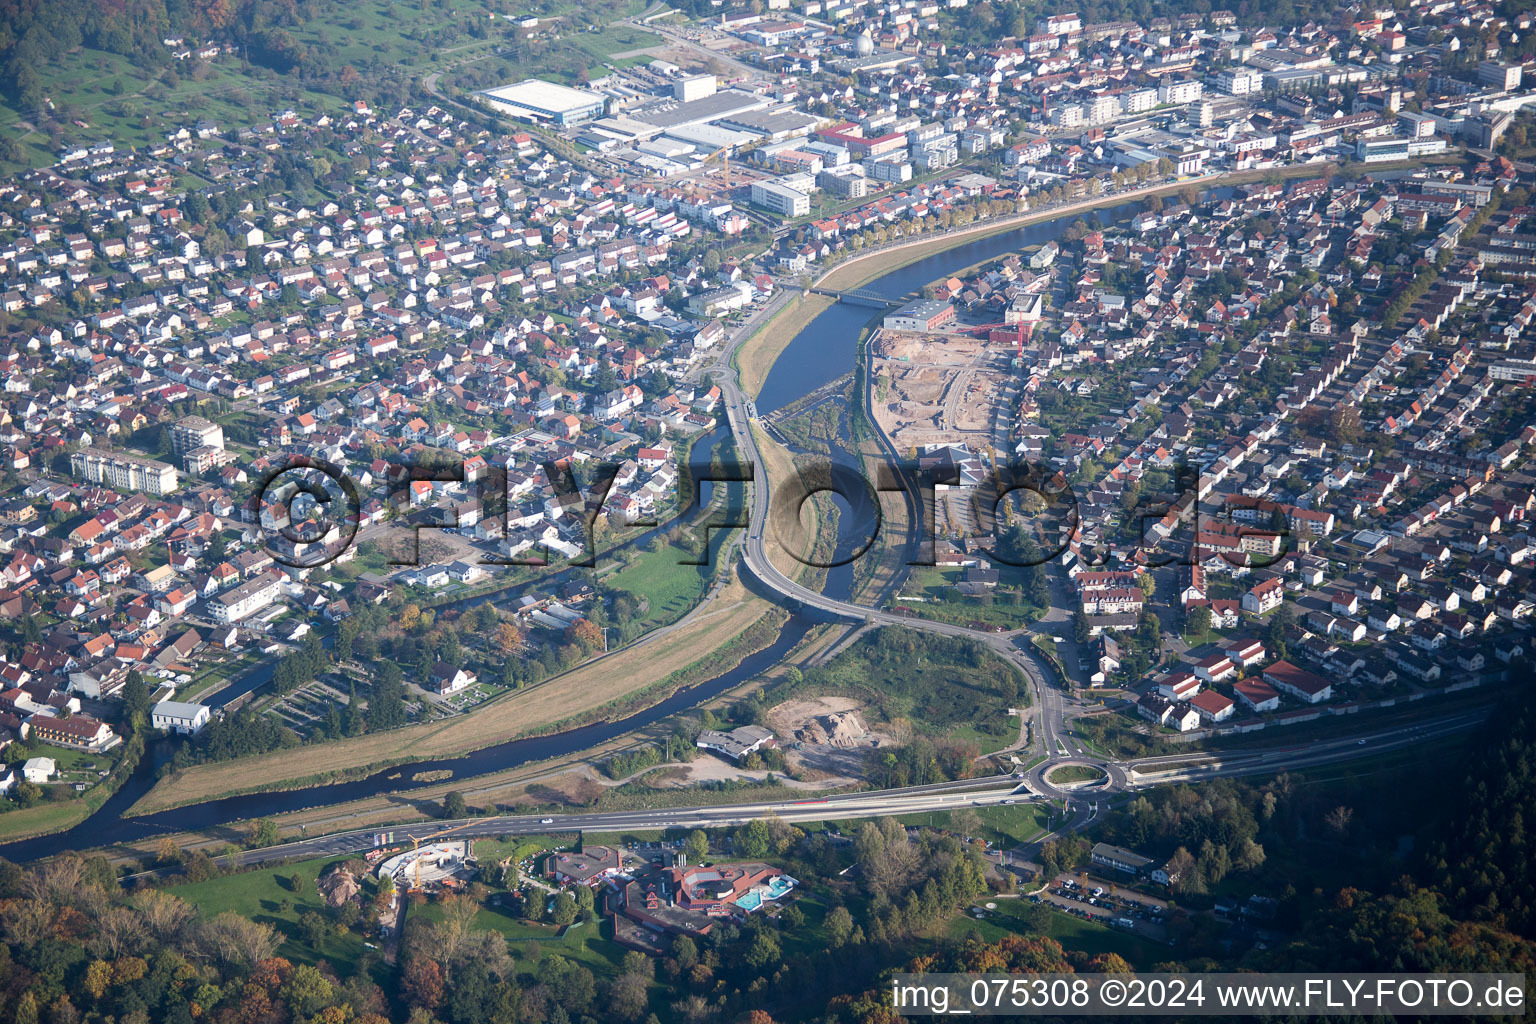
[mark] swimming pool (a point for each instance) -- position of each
(753, 898)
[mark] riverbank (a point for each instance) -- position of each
(560, 701)
(860, 270)
(756, 355)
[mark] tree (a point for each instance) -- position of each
(685, 951)
(454, 805)
(1081, 630)
(264, 833)
(563, 911)
(508, 637)
(585, 634)
(422, 980)
(627, 998)
(764, 953)
(754, 839)
(697, 845)
(135, 696)
(307, 992)
(1199, 621)
(839, 925)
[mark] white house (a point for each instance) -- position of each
(39, 769)
(179, 716)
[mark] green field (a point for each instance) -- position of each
(585, 943)
(113, 99)
(1010, 918)
(945, 687)
(264, 896)
(1074, 773)
(667, 589)
(494, 851)
(1010, 825)
(120, 102)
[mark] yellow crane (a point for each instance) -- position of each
(416, 842)
(724, 152)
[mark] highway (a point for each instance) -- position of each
(1085, 803)
(944, 796)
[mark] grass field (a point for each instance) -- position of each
(132, 107)
(265, 896)
(1013, 824)
(122, 103)
(493, 851)
(583, 943)
(668, 588)
(780, 467)
(24, 822)
(757, 354)
(1071, 932)
(584, 689)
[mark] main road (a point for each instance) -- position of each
(1049, 715)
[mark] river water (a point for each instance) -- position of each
(823, 351)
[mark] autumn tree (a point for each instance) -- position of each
(585, 634)
(509, 637)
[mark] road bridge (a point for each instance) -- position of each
(860, 297)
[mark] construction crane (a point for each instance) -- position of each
(1022, 331)
(416, 842)
(724, 152)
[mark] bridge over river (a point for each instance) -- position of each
(864, 297)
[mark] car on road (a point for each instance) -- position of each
(546, 821)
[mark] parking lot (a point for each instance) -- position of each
(1106, 903)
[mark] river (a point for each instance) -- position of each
(823, 351)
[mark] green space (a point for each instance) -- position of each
(583, 942)
(666, 589)
(1018, 916)
(1004, 606)
(268, 896)
(1069, 773)
(945, 688)
(494, 851)
(1005, 825)
(133, 107)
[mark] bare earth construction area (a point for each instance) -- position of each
(939, 388)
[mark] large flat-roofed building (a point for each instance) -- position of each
(246, 599)
(922, 315)
(537, 100)
(782, 199)
(123, 472)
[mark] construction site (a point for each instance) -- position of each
(952, 386)
(432, 863)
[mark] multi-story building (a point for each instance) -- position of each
(195, 432)
(123, 472)
(780, 198)
(1179, 90)
(246, 599)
